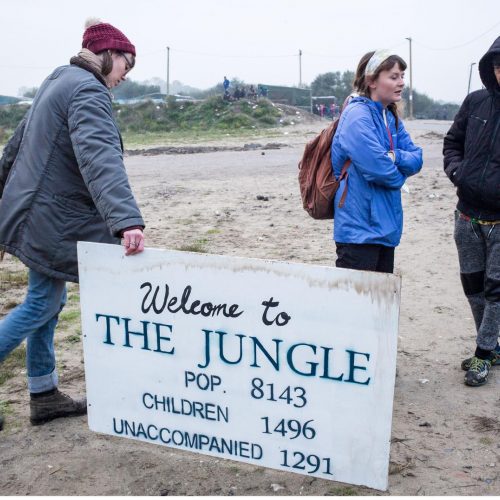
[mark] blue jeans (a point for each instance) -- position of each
(35, 320)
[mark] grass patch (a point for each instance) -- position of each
(486, 441)
(213, 118)
(6, 408)
(11, 423)
(74, 338)
(199, 245)
(5, 374)
(152, 124)
(14, 362)
(17, 356)
(196, 246)
(13, 279)
(74, 298)
(136, 140)
(69, 316)
(343, 491)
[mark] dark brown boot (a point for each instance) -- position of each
(54, 404)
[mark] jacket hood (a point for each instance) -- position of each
(486, 67)
(373, 104)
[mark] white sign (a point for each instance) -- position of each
(282, 365)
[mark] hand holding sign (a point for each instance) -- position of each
(133, 241)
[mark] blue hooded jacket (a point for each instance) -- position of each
(372, 213)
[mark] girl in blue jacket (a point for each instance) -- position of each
(369, 222)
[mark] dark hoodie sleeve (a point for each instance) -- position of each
(454, 141)
(10, 153)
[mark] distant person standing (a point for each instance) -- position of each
(332, 110)
(472, 162)
(226, 84)
(62, 179)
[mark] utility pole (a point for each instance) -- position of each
(410, 94)
(470, 76)
(300, 68)
(168, 71)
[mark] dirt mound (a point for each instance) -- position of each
(185, 150)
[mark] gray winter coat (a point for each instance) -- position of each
(62, 177)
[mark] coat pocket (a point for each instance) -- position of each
(77, 204)
(475, 133)
(459, 173)
(386, 215)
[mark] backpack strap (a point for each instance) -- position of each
(344, 174)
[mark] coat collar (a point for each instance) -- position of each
(81, 63)
(375, 105)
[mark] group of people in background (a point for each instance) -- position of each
(330, 110)
(241, 92)
(62, 179)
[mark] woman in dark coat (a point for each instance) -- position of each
(62, 179)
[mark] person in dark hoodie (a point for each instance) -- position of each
(62, 179)
(472, 162)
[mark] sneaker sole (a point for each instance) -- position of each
(475, 384)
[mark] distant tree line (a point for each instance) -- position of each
(340, 85)
(130, 89)
(333, 84)
(426, 108)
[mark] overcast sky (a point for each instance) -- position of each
(256, 40)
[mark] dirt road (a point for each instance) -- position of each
(246, 203)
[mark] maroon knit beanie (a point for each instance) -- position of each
(103, 36)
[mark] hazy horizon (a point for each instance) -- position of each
(258, 41)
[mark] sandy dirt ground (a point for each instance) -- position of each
(246, 203)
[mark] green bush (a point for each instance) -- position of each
(212, 113)
(10, 116)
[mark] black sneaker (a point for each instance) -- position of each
(495, 359)
(478, 372)
(47, 407)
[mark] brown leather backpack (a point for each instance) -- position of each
(316, 180)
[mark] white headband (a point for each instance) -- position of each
(376, 60)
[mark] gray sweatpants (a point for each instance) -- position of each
(479, 256)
